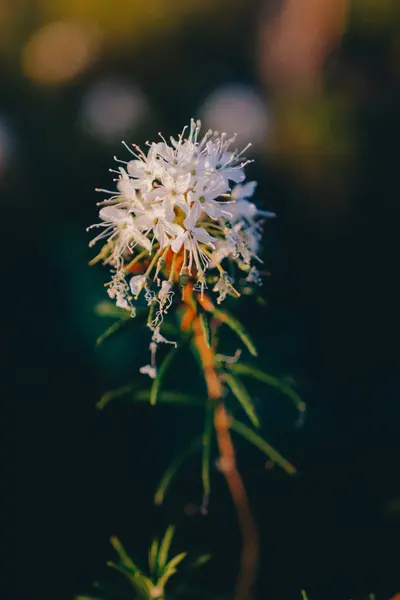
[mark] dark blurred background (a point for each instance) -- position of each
(315, 86)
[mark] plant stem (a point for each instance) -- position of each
(250, 548)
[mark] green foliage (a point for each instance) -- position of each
(242, 395)
(238, 328)
(162, 371)
(162, 567)
(257, 441)
(283, 385)
(207, 448)
(172, 470)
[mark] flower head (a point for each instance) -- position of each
(179, 212)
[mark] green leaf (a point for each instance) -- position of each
(206, 448)
(242, 395)
(238, 328)
(112, 329)
(162, 371)
(169, 397)
(121, 568)
(252, 437)
(108, 309)
(205, 328)
(200, 561)
(170, 569)
(124, 557)
(281, 385)
(104, 253)
(171, 471)
(141, 584)
(153, 558)
(174, 562)
(112, 394)
(165, 546)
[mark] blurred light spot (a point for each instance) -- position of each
(113, 107)
(237, 109)
(296, 41)
(7, 144)
(60, 51)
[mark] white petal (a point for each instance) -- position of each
(235, 175)
(168, 181)
(168, 210)
(136, 284)
(143, 222)
(173, 228)
(160, 235)
(213, 209)
(203, 236)
(141, 239)
(136, 168)
(183, 183)
(149, 370)
(157, 193)
(183, 205)
(193, 216)
(244, 191)
(114, 215)
(165, 287)
(178, 242)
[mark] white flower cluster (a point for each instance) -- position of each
(178, 211)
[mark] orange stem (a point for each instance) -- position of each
(228, 466)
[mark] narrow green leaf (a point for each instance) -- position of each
(105, 308)
(304, 595)
(104, 252)
(174, 562)
(169, 397)
(165, 546)
(141, 584)
(170, 569)
(153, 558)
(124, 557)
(171, 471)
(238, 328)
(121, 568)
(252, 437)
(113, 394)
(110, 331)
(155, 388)
(282, 386)
(200, 561)
(206, 448)
(205, 328)
(242, 395)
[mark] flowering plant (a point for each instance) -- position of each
(175, 220)
(181, 220)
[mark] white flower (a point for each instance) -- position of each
(191, 238)
(205, 194)
(119, 228)
(223, 287)
(145, 169)
(149, 370)
(136, 284)
(158, 219)
(173, 216)
(165, 289)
